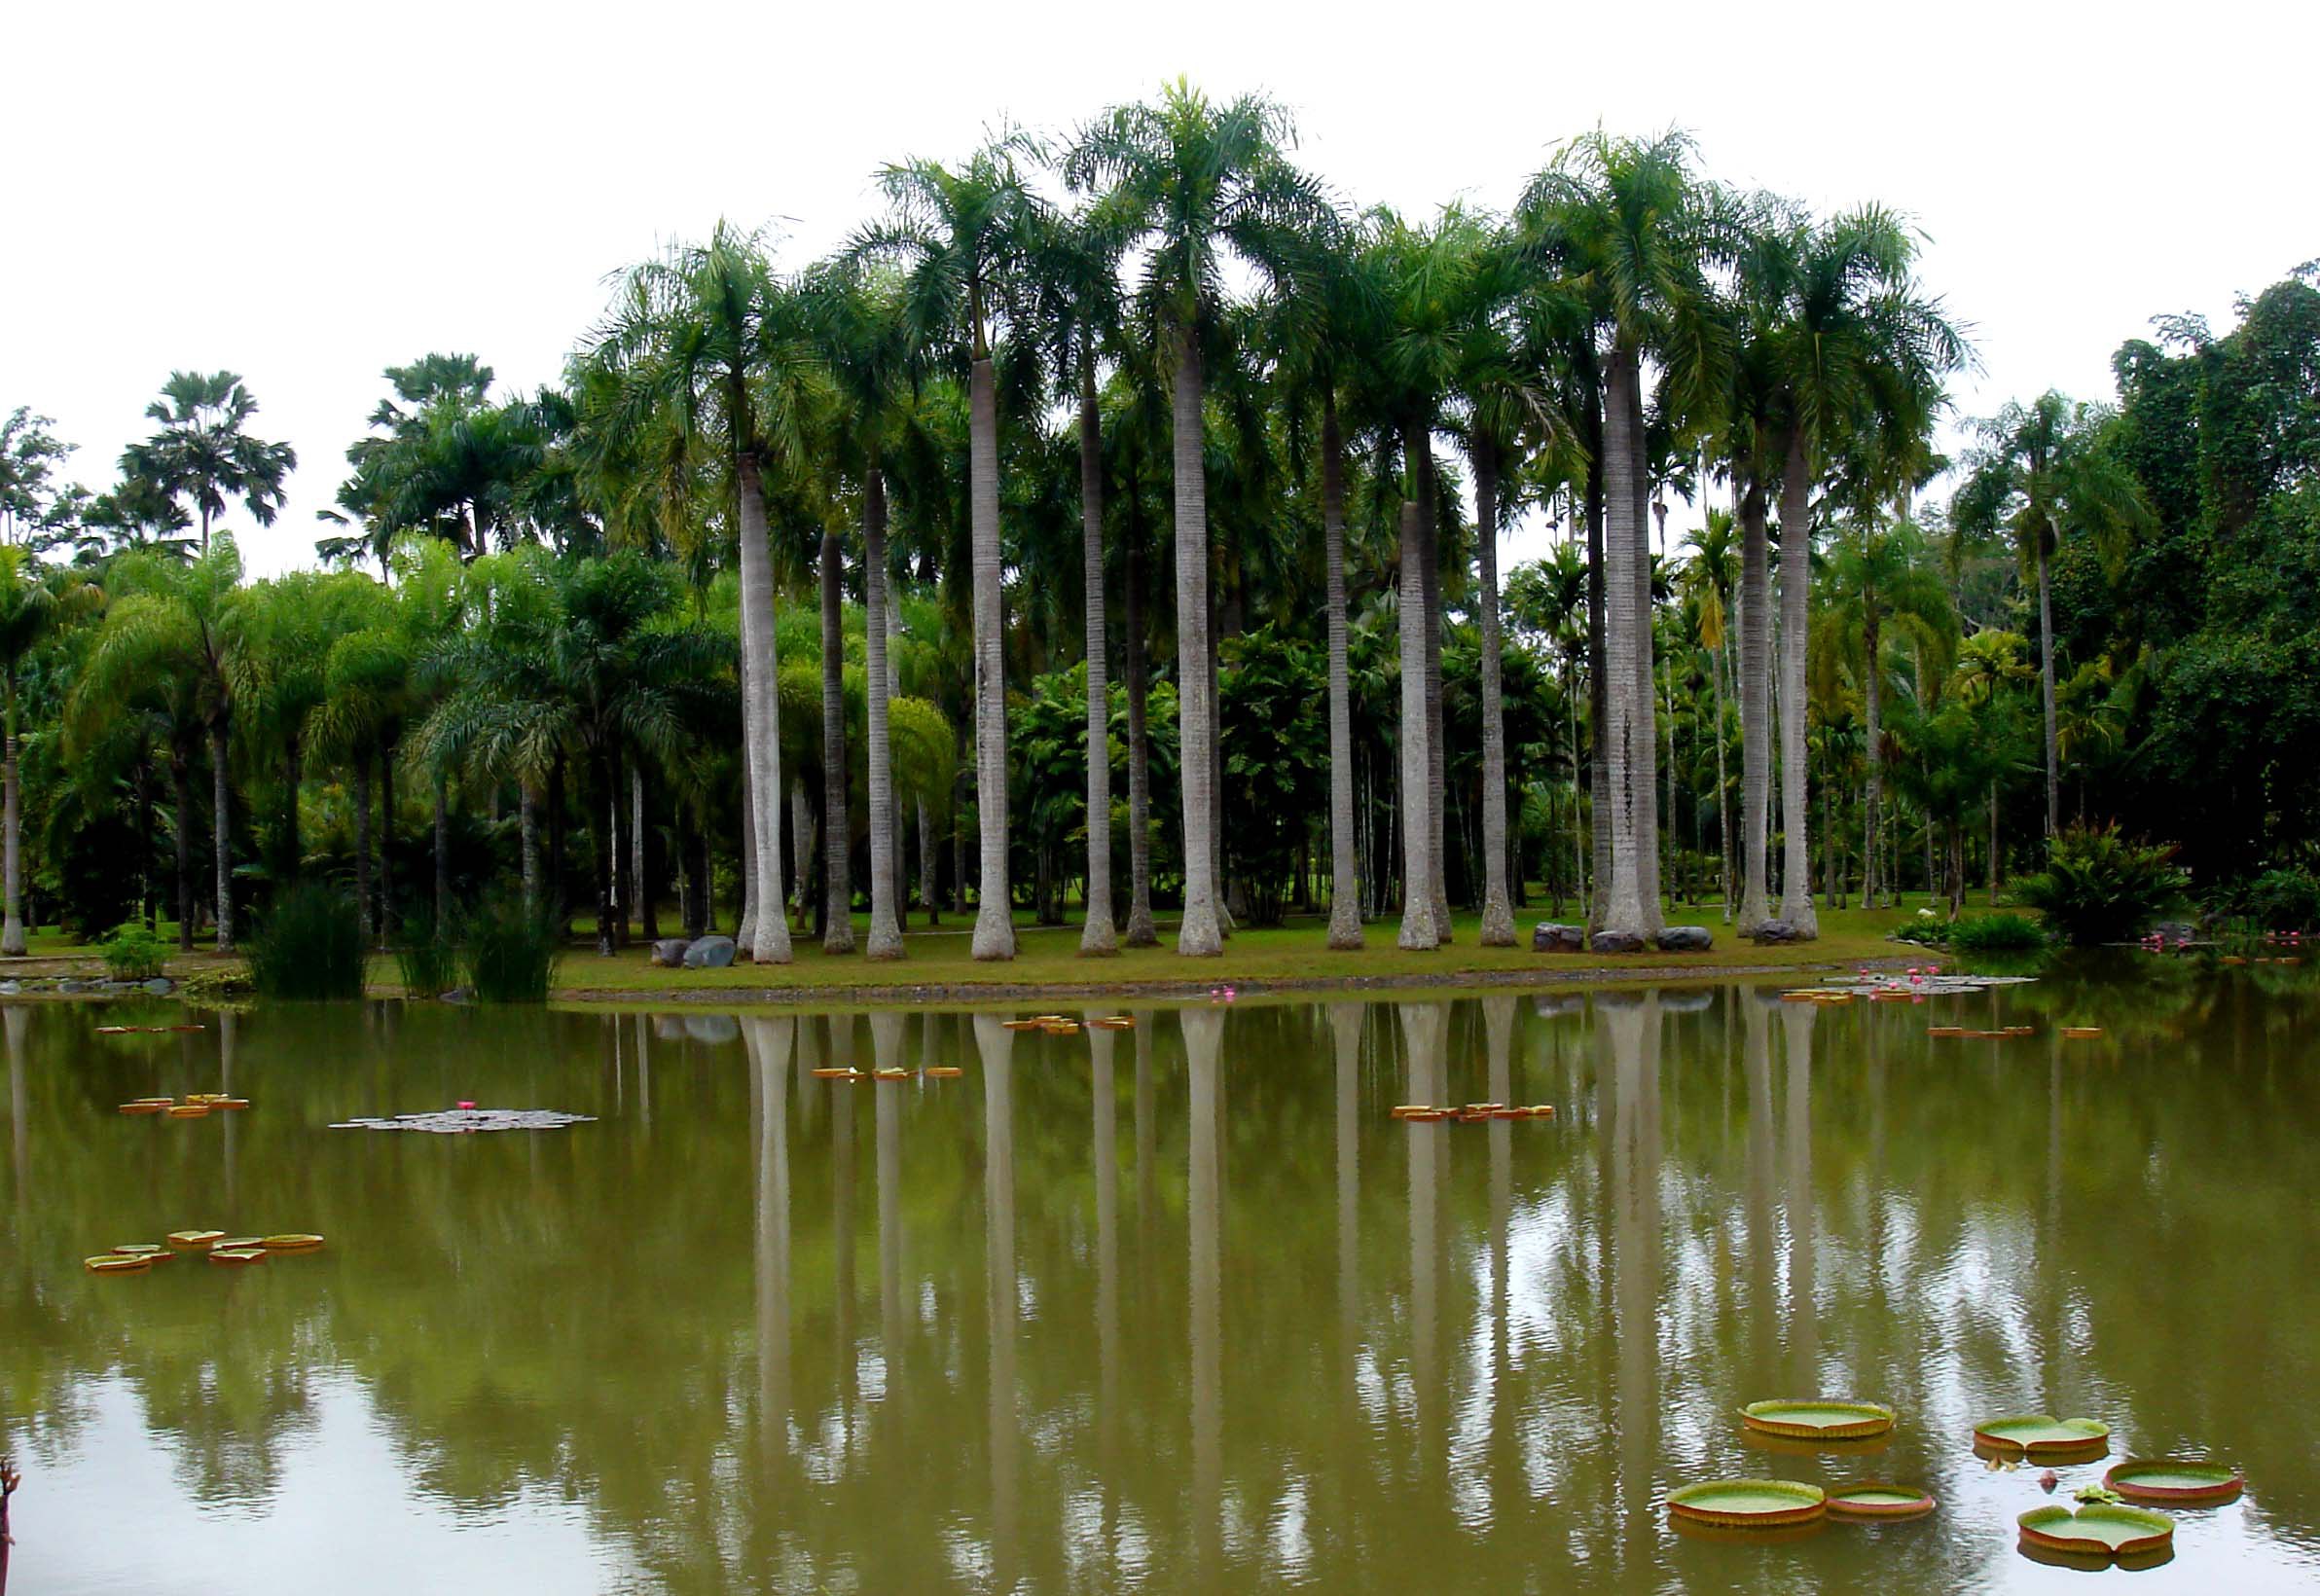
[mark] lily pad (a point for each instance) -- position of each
(2037, 1435)
(236, 1256)
(119, 1263)
(2101, 1531)
(291, 1242)
(1818, 1420)
(1748, 1501)
(2176, 1481)
(1874, 1499)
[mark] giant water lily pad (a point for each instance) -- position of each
(2037, 1435)
(2175, 1480)
(1742, 1503)
(2100, 1529)
(1818, 1420)
(1874, 1499)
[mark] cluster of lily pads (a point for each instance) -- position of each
(1474, 1113)
(137, 1258)
(888, 1075)
(2112, 1523)
(196, 1106)
(1063, 1025)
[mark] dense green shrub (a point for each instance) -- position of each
(2099, 887)
(308, 944)
(511, 951)
(1999, 932)
(134, 954)
(1925, 931)
(2285, 900)
(427, 958)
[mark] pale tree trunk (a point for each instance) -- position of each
(2046, 686)
(1140, 932)
(1622, 903)
(1345, 903)
(1419, 928)
(837, 833)
(995, 920)
(1097, 936)
(1723, 808)
(1201, 934)
(222, 829)
(1756, 706)
(745, 935)
(1796, 579)
(1599, 698)
(761, 730)
(1438, 787)
(1643, 723)
(1497, 913)
(12, 937)
(886, 877)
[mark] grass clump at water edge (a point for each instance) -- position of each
(308, 944)
(511, 951)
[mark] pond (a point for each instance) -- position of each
(1175, 1308)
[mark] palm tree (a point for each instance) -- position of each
(965, 235)
(706, 350)
(180, 634)
(1623, 223)
(1198, 182)
(34, 603)
(1857, 349)
(204, 452)
(1078, 274)
(2043, 469)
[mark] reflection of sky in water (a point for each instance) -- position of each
(113, 1514)
(1225, 1327)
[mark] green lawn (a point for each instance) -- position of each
(1283, 956)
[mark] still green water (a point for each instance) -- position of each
(1178, 1308)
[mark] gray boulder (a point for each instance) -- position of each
(710, 953)
(669, 952)
(1549, 937)
(1685, 939)
(161, 986)
(1618, 942)
(1774, 930)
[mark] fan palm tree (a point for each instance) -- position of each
(2042, 470)
(204, 452)
(965, 236)
(706, 349)
(1199, 183)
(34, 603)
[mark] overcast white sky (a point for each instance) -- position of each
(308, 192)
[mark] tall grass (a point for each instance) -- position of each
(427, 957)
(308, 944)
(511, 951)
(1997, 933)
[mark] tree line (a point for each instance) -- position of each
(802, 579)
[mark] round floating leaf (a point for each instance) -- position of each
(2175, 1480)
(236, 1254)
(1748, 1501)
(2037, 1435)
(1818, 1420)
(1874, 1499)
(119, 1263)
(2101, 1530)
(293, 1242)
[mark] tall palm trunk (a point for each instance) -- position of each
(1756, 704)
(745, 935)
(1872, 695)
(802, 832)
(1723, 808)
(1097, 936)
(1345, 904)
(527, 823)
(221, 833)
(362, 844)
(603, 817)
(1642, 729)
(1201, 935)
(1437, 786)
(2045, 684)
(648, 919)
(837, 831)
(1497, 913)
(885, 875)
(12, 937)
(1623, 913)
(1419, 928)
(995, 919)
(1140, 932)
(1795, 580)
(930, 857)
(181, 794)
(1599, 703)
(761, 726)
